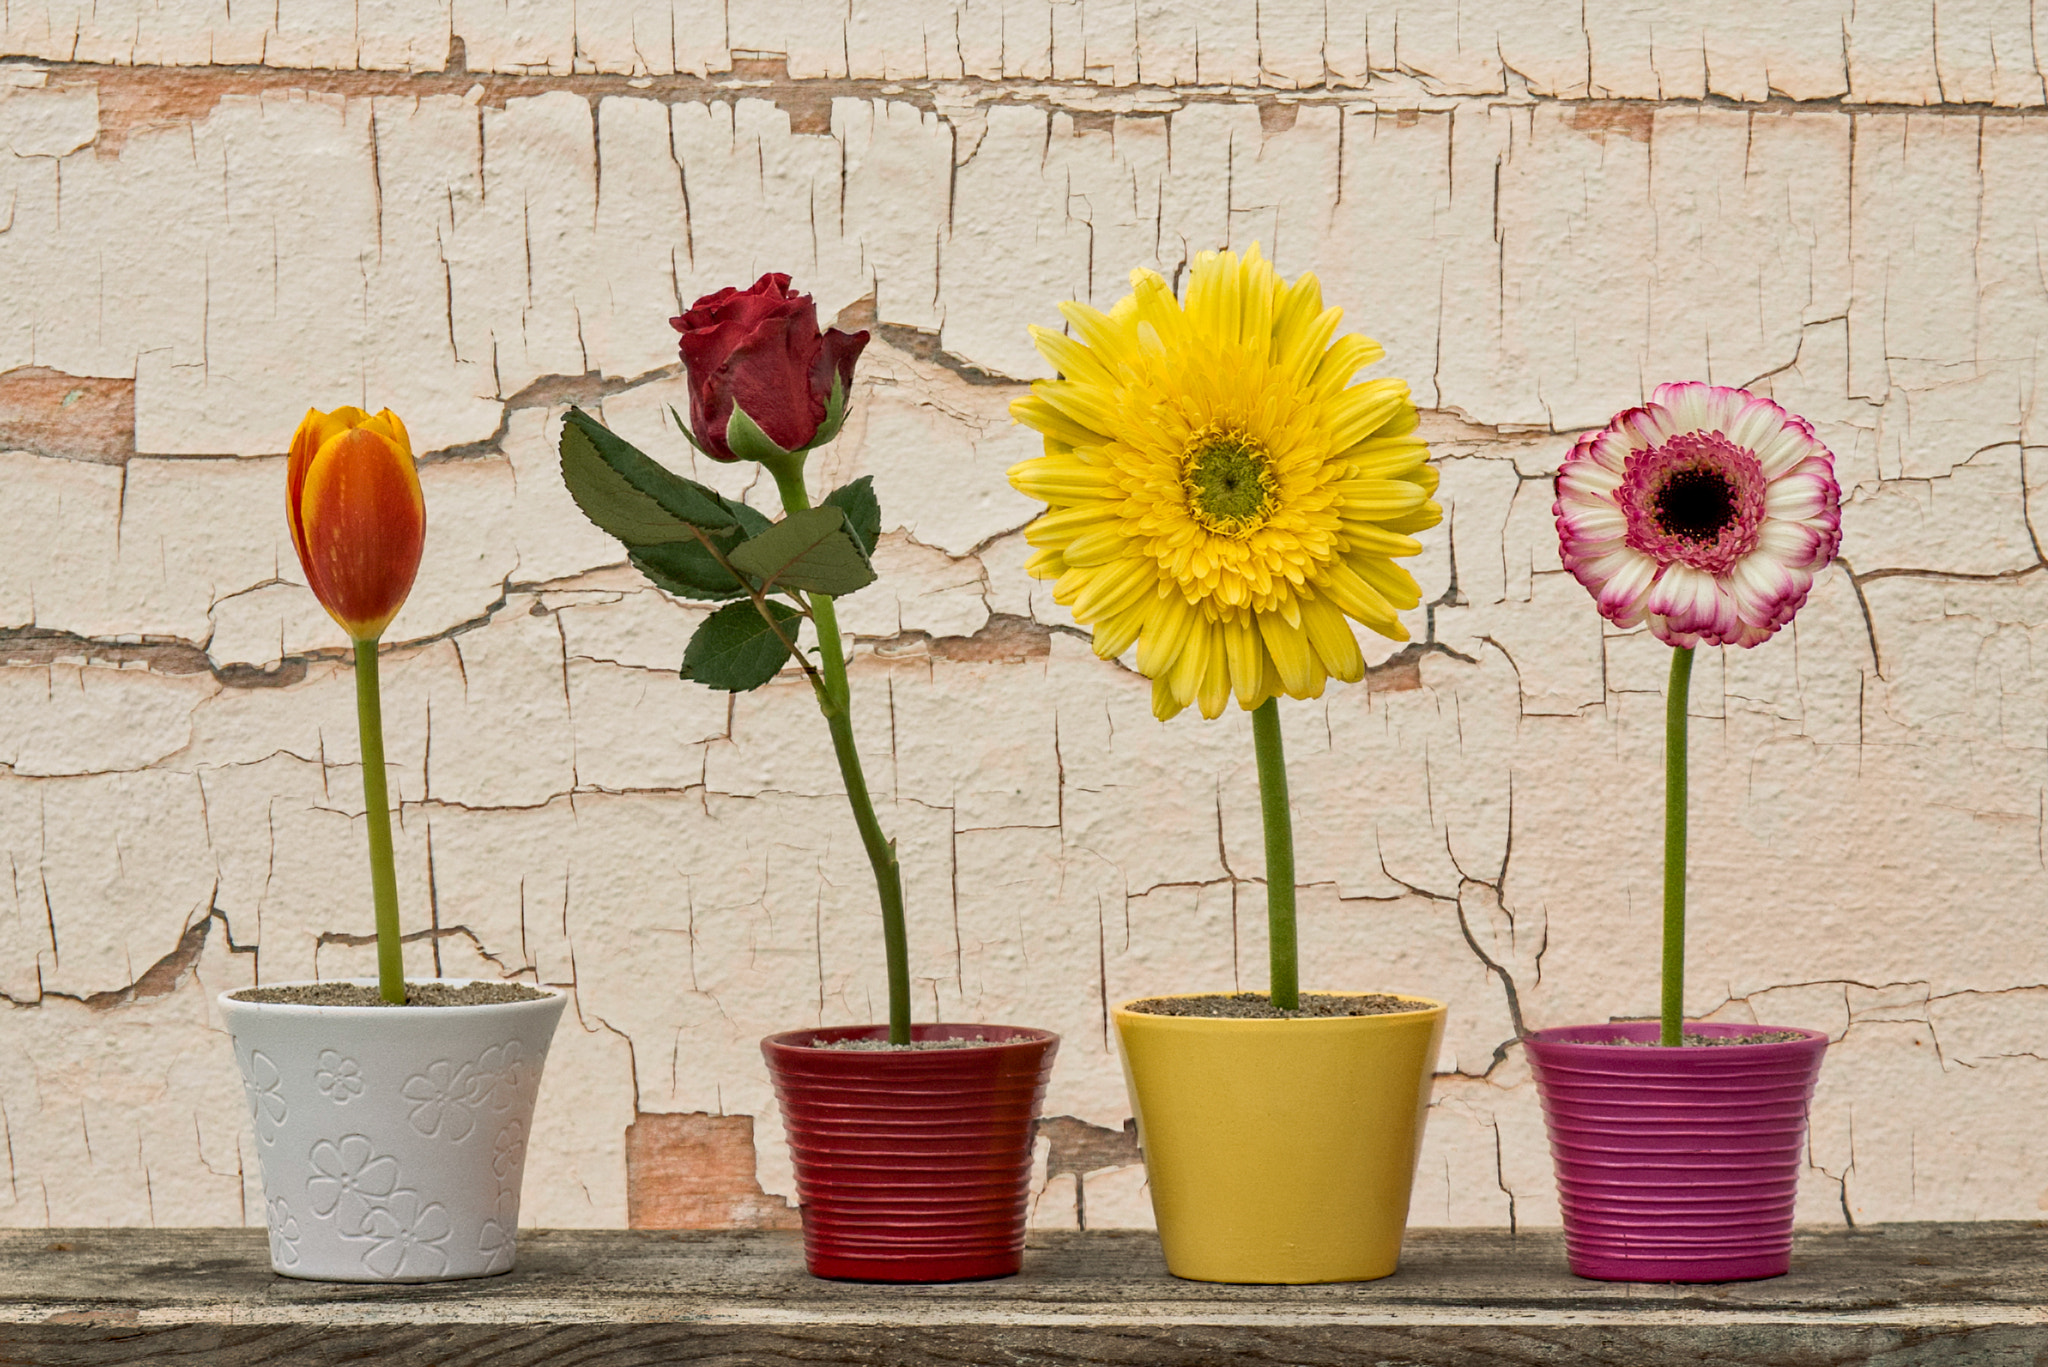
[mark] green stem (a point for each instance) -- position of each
(377, 813)
(1675, 699)
(835, 700)
(1285, 988)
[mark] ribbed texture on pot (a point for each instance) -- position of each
(912, 1166)
(1675, 1165)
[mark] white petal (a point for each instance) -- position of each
(1597, 520)
(1610, 450)
(1763, 588)
(1691, 601)
(1650, 426)
(1791, 543)
(1588, 477)
(1625, 577)
(1782, 450)
(1686, 406)
(1755, 420)
(1796, 497)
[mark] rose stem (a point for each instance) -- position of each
(377, 813)
(1675, 699)
(835, 700)
(1285, 989)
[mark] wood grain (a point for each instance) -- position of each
(1901, 1296)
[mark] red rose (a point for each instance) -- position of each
(759, 350)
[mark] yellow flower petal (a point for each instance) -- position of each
(1329, 635)
(1221, 496)
(1164, 705)
(1289, 649)
(1061, 479)
(1070, 357)
(1039, 414)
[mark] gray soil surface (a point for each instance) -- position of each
(1258, 1006)
(882, 1046)
(1709, 1041)
(416, 994)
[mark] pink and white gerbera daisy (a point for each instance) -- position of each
(1706, 513)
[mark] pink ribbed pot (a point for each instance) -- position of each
(1675, 1165)
(912, 1166)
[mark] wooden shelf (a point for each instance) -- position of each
(1899, 1295)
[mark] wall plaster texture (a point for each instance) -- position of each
(477, 211)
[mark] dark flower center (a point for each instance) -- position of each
(1230, 483)
(1697, 499)
(1697, 504)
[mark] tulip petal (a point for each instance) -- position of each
(388, 423)
(360, 526)
(316, 429)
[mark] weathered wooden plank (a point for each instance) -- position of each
(641, 1345)
(1902, 1296)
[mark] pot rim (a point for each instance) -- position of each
(227, 1001)
(1550, 1038)
(1425, 1006)
(804, 1041)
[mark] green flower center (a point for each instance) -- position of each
(1230, 484)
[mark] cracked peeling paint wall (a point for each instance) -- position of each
(479, 211)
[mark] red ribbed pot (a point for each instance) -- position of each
(912, 1166)
(1675, 1165)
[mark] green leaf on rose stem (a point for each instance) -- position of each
(627, 494)
(687, 570)
(745, 439)
(736, 650)
(863, 510)
(810, 550)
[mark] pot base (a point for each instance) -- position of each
(349, 1277)
(1687, 1270)
(832, 1268)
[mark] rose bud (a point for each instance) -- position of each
(759, 368)
(352, 497)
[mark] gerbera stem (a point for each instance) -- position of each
(1676, 696)
(377, 815)
(1279, 822)
(835, 701)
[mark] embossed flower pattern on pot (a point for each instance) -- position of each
(508, 1151)
(284, 1234)
(338, 1078)
(408, 1237)
(349, 1181)
(499, 1075)
(263, 1085)
(442, 1097)
(496, 1239)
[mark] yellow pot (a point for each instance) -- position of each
(1281, 1150)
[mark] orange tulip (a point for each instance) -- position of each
(358, 521)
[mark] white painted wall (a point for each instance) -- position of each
(1542, 210)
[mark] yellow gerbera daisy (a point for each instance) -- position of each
(1218, 490)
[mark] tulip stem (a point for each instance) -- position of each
(1284, 986)
(1676, 696)
(377, 814)
(835, 700)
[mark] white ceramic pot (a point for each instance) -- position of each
(391, 1138)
